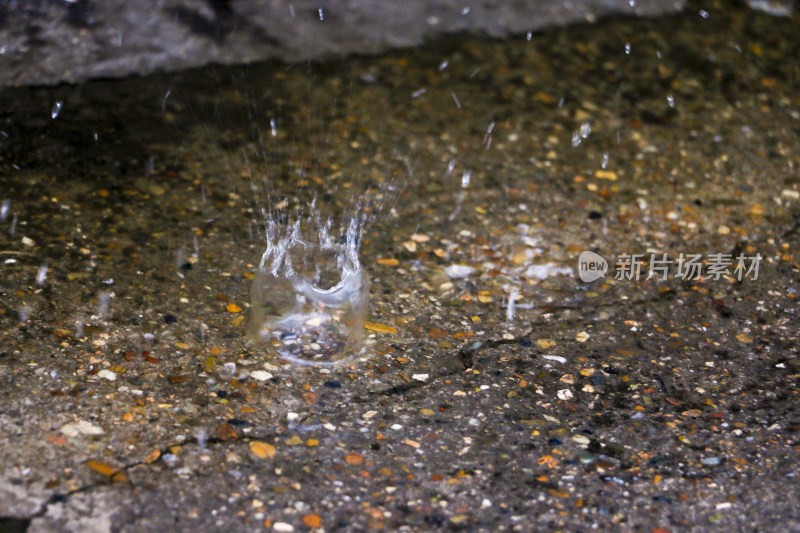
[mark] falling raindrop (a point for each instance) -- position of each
(202, 438)
(465, 179)
(604, 163)
(487, 138)
(4, 207)
(56, 109)
(418, 93)
(512, 298)
(628, 48)
(164, 102)
(273, 127)
(103, 300)
(41, 275)
(321, 14)
(78, 329)
(703, 13)
(671, 100)
(443, 65)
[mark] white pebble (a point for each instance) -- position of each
(81, 427)
(458, 271)
(260, 375)
(107, 374)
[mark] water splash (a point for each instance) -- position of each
(309, 298)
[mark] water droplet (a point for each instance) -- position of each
(703, 13)
(418, 92)
(604, 162)
(585, 130)
(443, 65)
(4, 207)
(273, 127)
(321, 14)
(466, 10)
(628, 48)
(451, 166)
(78, 329)
(530, 35)
(455, 98)
(56, 109)
(671, 100)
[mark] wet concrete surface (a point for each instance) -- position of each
(132, 402)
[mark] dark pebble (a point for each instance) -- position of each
(594, 215)
(597, 379)
(333, 384)
(170, 319)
